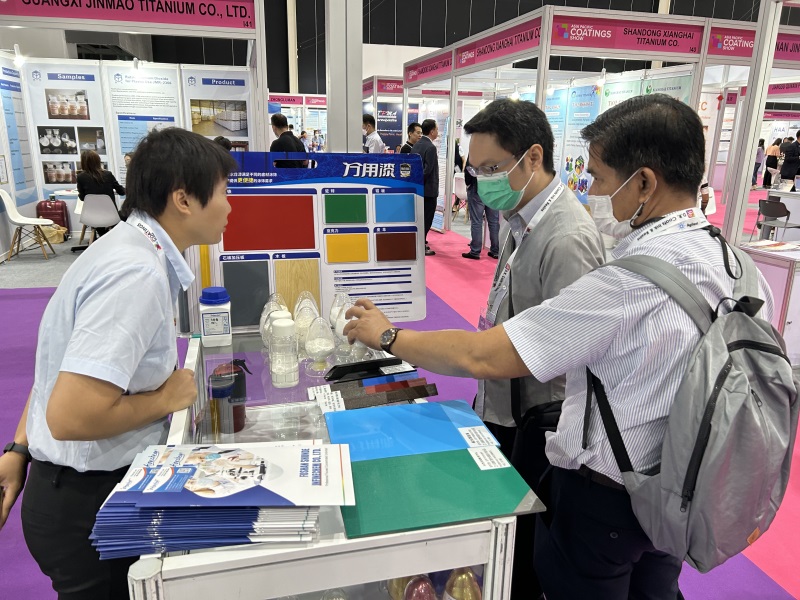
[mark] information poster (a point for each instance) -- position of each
(217, 103)
(20, 174)
(708, 111)
(66, 100)
(141, 100)
(390, 124)
(582, 109)
(679, 87)
(619, 91)
(555, 108)
(354, 224)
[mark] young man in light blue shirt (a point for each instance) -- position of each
(106, 374)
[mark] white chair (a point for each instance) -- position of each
(460, 192)
(98, 210)
(36, 234)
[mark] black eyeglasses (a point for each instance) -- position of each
(475, 171)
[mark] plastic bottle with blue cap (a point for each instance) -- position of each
(215, 317)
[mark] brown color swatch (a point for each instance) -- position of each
(396, 246)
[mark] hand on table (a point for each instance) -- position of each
(367, 325)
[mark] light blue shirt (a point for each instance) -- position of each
(111, 318)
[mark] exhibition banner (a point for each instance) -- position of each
(779, 89)
(446, 93)
(367, 87)
(217, 102)
(231, 14)
(708, 109)
(390, 124)
(141, 100)
(321, 101)
(522, 37)
(582, 109)
(679, 87)
(390, 86)
(619, 91)
(16, 172)
(435, 67)
(66, 101)
(618, 34)
(287, 99)
(787, 47)
(731, 42)
(555, 108)
(777, 115)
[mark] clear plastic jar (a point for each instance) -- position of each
(284, 366)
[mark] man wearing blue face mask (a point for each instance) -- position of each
(550, 242)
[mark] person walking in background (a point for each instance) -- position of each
(772, 154)
(477, 209)
(791, 159)
(373, 144)
(758, 163)
(285, 142)
(430, 174)
(414, 133)
(305, 141)
(94, 179)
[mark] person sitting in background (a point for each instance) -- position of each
(94, 179)
(224, 142)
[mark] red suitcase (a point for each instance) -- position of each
(57, 212)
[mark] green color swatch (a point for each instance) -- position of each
(430, 490)
(345, 208)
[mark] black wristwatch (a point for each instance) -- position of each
(388, 337)
(19, 449)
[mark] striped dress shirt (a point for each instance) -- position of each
(634, 337)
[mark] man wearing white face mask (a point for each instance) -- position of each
(373, 144)
(548, 243)
(625, 329)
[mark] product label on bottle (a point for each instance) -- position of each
(330, 402)
(216, 323)
(313, 392)
(488, 458)
(477, 437)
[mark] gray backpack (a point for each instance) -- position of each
(728, 445)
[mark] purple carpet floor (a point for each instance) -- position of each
(20, 578)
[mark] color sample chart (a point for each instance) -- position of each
(336, 227)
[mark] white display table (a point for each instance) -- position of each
(360, 566)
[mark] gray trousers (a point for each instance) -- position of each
(476, 211)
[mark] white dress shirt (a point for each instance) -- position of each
(375, 144)
(634, 337)
(111, 318)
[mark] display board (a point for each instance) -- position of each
(708, 110)
(582, 109)
(140, 100)
(20, 178)
(68, 112)
(353, 223)
(390, 124)
(216, 102)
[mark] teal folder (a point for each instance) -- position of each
(429, 490)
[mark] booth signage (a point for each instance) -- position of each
(780, 89)
(787, 47)
(776, 115)
(461, 94)
(618, 34)
(431, 68)
(316, 101)
(731, 42)
(367, 87)
(524, 36)
(390, 86)
(731, 98)
(231, 14)
(286, 99)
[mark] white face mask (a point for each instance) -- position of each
(363, 131)
(603, 213)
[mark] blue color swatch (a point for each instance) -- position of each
(395, 208)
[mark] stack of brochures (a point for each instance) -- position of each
(190, 497)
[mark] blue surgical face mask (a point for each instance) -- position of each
(496, 191)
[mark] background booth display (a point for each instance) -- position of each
(217, 102)
(307, 113)
(352, 223)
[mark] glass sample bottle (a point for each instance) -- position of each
(284, 367)
(320, 344)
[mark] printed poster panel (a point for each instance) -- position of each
(679, 88)
(619, 91)
(582, 109)
(217, 103)
(142, 100)
(555, 108)
(708, 110)
(390, 124)
(66, 100)
(21, 181)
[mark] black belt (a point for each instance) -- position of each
(596, 477)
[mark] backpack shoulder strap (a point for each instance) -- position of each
(747, 283)
(670, 279)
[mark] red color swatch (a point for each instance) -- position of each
(267, 222)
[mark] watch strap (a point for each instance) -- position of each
(19, 449)
(387, 347)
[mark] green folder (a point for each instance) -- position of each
(429, 490)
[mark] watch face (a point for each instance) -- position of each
(387, 337)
